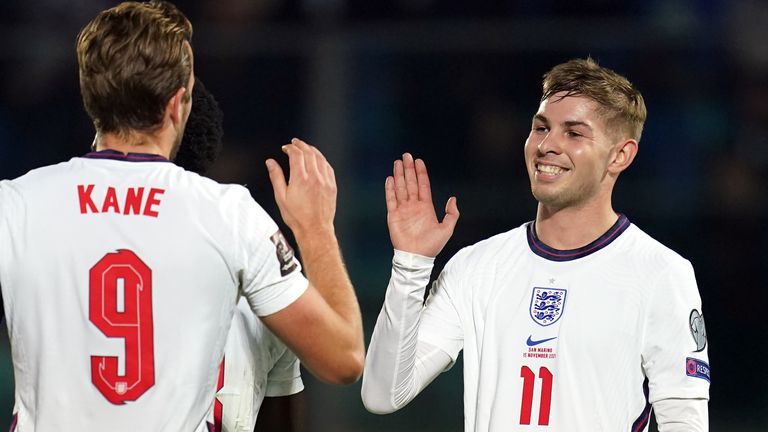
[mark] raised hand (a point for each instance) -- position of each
(308, 201)
(411, 218)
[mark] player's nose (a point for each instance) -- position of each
(548, 144)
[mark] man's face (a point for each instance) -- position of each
(568, 152)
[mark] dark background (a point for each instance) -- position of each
(456, 83)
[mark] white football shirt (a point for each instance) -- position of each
(256, 364)
(120, 275)
(554, 340)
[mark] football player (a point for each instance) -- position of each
(120, 271)
(575, 321)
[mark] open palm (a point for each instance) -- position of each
(413, 224)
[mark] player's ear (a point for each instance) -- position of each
(623, 154)
(175, 107)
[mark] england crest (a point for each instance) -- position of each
(547, 305)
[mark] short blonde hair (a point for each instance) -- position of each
(132, 59)
(620, 104)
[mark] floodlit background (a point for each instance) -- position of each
(456, 83)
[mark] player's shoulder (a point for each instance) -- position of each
(649, 253)
(494, 248)
(41, 174)
(211, 188)
(19, 189)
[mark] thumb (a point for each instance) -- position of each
(451, 214)
(278, 180)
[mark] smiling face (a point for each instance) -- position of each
(569, 153)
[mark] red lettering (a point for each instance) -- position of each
(110, 201)
(152, 200)
(133, 199)
(84, 196)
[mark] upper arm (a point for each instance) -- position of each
(441, 323)
(674, 352)
(682, 415)
(267, 270)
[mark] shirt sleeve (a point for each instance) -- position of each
(441, 321)
(682, 415)
(284, 378)
(674, 354)
(7, 200)
(271, 277)
(400, 363)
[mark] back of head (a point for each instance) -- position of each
(132, 59)
(203, 134)
(620, 104)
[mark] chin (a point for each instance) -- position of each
(560, 199)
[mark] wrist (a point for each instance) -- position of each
(316, 237)
(412, 260)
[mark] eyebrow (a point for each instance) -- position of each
(567, 123)
(572, 123)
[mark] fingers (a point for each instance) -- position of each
(425, 191)
(389, 194)
(310, 154)
(315, 162)
(278, 180)
(399, 179)
(296, 163)
(451, 214)
(411, 184)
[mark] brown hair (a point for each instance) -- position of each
(132, 60)
(620, 104)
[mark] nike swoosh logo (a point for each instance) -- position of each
(532, 342)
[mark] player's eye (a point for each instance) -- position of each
(540, 128)
(573, 134)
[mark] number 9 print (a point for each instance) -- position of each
(120, 288)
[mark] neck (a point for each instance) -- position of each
(573, 227)
(135, 142)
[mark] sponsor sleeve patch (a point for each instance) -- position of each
(697, 368)
(284, 253)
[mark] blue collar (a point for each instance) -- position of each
(539, 248)
(128, 157)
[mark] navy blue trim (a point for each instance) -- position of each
(539, 248)
(643, 419)
(129, 157)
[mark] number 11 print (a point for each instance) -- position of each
(529, 379)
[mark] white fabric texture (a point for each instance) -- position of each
(200, 244)
(623, 317)
(682, 415)
(393, 377)
(256, 365)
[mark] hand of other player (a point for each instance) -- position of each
(411, 218)
(307, 201)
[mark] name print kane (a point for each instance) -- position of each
(135, 201)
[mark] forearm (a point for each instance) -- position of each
(398, 367)
(324, 267)
(342, 331)
(682, 415)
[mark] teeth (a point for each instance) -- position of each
(549, 169)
